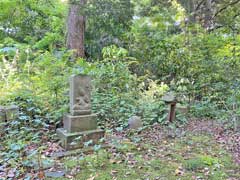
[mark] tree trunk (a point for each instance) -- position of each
(76, 29)
(208, 15)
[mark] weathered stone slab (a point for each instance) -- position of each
(182, 109)
(12, 112)
(2, 118)
(76, 140)
(80, 95)
(8, 113)
(80, 123)
(2, 115)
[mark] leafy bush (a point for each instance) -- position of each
(118, 93)
(200, 162)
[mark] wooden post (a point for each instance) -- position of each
(172, 112)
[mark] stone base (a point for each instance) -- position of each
(80, 123)
(76, 140)
(80, 112)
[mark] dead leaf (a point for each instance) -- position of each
(113, 172)
(41, 175)
(179, 171)
(91, 178)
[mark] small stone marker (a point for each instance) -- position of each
(8, 113)
(135, 122)
(171, 101)
(80, 125)
(2, 118)
(12, 112)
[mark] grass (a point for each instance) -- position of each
(190, 157)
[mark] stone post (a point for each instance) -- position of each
(171, 101)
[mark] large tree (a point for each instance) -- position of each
(76, 27)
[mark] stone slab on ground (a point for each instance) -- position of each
(80, 123)
(76, 140)
(75, 152)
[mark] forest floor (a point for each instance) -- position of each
(201, 150)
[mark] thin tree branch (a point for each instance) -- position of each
(225, 7)
(199, 5)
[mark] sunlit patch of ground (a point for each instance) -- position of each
(153, 154)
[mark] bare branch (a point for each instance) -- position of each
(199, 5)
(225, 7)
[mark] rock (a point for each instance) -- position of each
(169, 97)
(12, 112)
(135, 122)
(56, 174)
(8, 113)
(182, 109)
(2, 114)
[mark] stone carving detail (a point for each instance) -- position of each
(82, 101)
(80, 98)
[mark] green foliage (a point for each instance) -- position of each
(118, 95)
(159, 46)
(108, 21)
(30, 19)
(200, 162)
(136, 52)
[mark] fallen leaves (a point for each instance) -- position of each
(41, 174)
(179, 171)
(92, 177)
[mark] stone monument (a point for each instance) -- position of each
(80, 125)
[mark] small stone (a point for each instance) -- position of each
(169, 97)
(135, 122)
(56, 174)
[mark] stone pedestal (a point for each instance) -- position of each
(80, 125)
(76, 140)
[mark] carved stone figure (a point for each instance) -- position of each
(80, 99)
(83, 101)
